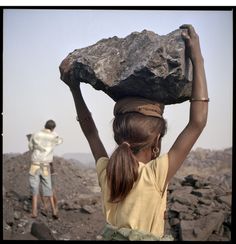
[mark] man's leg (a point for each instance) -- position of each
(47, 191)
(54, 198)
(34, 185)
(44, 200)
(53, 181)
(54, 208)
(34, 206)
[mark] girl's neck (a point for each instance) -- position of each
(144, 156)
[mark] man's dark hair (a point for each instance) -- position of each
(50, 124)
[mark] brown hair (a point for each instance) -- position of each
(132, 132)
(50, 124)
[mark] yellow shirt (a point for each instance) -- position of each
(144, 207)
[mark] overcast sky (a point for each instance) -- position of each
(35, 41)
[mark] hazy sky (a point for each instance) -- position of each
(35, 41)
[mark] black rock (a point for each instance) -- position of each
(142, 64)
(41, 231)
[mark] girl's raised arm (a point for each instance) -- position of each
(198, 104)
(87, 124)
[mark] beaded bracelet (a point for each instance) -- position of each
(202, 99)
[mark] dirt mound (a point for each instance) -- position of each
(78, 199)
(200, 192)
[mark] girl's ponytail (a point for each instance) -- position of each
(133, 132)
(122, 172)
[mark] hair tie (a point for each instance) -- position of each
(125, 142)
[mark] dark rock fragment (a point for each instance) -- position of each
(142, 64)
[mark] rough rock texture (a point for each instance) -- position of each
(142, 64)
(196, 217)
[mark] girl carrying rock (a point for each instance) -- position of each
(134, 179)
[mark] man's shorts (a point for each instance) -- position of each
(39, 175)
(54, 180)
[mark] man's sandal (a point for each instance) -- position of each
(55, 216)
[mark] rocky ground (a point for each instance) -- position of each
(199, 200)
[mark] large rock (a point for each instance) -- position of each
(201, 229)
(141, 64)
(41, 231)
